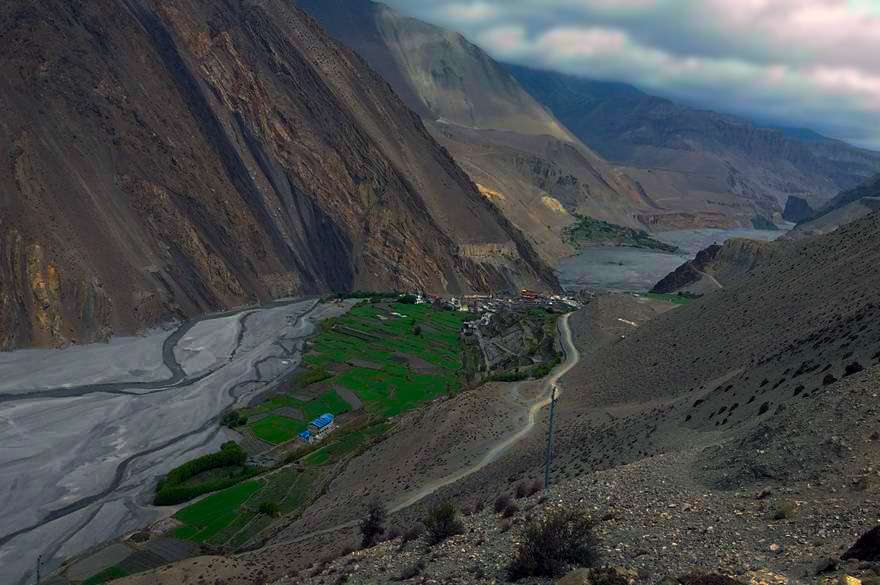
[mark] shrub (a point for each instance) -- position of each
(417, 330)
(234, 419)
(783, 511)
(502, 502)
(269, 509)
(407, 300)
(607, 576)
(521, 490)
(412, 534)
(442, 522)
(170, 489)
(510, 510)
(411, 571)
(853, 368)
(563, 538)
(373, 526)
(535, 487)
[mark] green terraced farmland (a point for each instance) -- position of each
(392, 363)
(206, 518)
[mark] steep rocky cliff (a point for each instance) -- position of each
(702, 168)
(717, 266)
(797, 209)
(529, 165)
(163, 159)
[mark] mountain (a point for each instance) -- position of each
(700, 168)
(524, 160)
(716, 267)
(741, 426)
(167, 159)
(848, 206)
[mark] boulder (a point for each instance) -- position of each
(866, 548)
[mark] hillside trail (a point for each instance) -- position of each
(572, 357)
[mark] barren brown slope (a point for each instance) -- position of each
(700, 167)
(505, 140)
(848, 206)
(170, 158)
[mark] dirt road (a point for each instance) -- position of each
(572, 356)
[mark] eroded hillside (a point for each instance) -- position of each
(527, 163)
(170, 158)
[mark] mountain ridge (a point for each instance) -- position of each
(698, 162)
(217, 156)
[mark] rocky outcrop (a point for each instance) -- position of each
(165, 159)
(716, 267)
(797, 209)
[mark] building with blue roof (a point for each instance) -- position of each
(322, 425)
(306, 436)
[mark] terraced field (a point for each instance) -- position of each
(390, 356)
(381, 359)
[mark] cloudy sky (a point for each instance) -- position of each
(802, 63)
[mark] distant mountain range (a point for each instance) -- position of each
(527, 163)
(700, 168)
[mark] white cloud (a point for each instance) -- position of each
(800, 62)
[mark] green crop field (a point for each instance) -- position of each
(204, 519)
(232, 518)
(106, 576)
(370, 352)
(392, 363)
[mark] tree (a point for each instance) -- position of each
(269, 509)
(373, 525)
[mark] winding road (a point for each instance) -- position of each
(79, 460)
(572, 357)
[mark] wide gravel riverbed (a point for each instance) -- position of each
(86, 431)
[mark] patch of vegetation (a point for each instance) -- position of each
(783, 511)
(595, 231)
(209, 473)
(412, 571)
(206, 518)
(269, 508)
(310, 376)
(373, 525)
(551, 545)
(106, 576)
(442, 522)
(371, 333)
(234, 419)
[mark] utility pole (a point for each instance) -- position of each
(39, 562)
(549, 456)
